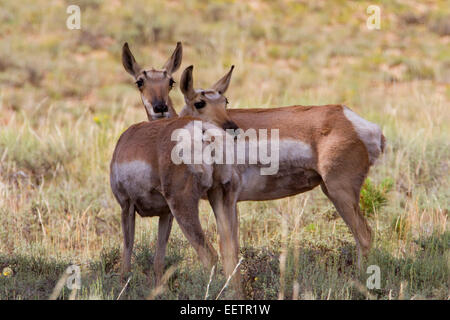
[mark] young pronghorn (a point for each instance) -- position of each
(328, 145)
(144, 179)
(154, 85)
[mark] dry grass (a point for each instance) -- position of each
(65, 99)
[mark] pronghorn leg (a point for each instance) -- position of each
(225, 210)
(343, 171)
(344, 193)
(186, 213)
(164, 228)
(128, 221)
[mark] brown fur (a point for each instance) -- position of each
(172, 189)
(341, 159)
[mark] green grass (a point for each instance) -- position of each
(65, 99)
(319, 272)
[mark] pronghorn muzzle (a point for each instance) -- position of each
(230, 125)
(160, 107)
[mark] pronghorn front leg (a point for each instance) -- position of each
(164, 228)
(225, 209)
(186, 213)
(128, 222)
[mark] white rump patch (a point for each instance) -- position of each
(368, 132)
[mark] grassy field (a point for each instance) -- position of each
(65, 99)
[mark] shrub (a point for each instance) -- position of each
(374, 197)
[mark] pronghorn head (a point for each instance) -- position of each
(208, 105)
(153, 84)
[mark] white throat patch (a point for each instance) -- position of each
(155, 116)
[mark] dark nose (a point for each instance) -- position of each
(160, 107)
(230, 125)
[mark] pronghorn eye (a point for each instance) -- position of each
(171, 83)
(200, 104)
(140, 83)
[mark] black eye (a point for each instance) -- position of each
(200, 104)
(171, 83)
(140, 83)
(226, 101)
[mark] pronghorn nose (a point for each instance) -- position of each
(230, 125)
(160, 107)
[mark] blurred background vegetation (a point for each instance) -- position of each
(65, 99)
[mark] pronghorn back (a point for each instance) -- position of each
(314, 126)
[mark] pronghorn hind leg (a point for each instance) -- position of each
(128, 222)
(345, 196)
(343, 169)
(164, 228)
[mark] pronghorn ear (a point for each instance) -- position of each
(128, 61)
(174, 61)
(187, 83)
(222, 85)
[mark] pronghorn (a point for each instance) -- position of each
(328, 145)
(145, 180)
(154, 85)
